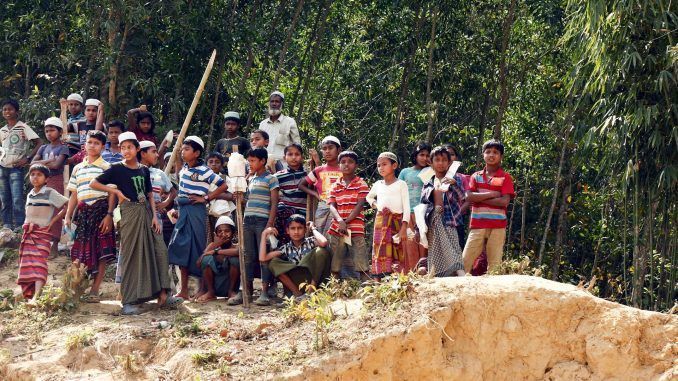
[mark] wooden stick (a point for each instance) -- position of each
(64, 135)
(191, 110)
(241, 252)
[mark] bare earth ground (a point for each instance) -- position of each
(494, 328)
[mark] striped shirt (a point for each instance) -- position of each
(346, 197)
(295, 254)
(196, 180)
(82, 176)
(41, 206)
(485, 216)
(290, 194)
(160, 183)
(110, 156)
(259, 195)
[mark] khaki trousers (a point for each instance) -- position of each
(474, 246)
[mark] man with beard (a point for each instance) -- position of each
(282, 129)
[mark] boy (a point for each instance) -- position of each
(53, 156)
(223, 204)
(73, 104)
(490, 192)
(220, 265)
(111, 151)
(15, 137)
(94, 243)
(160, 182)
(346, 199)
(259, 139)
(322, 178)
(94, 120)
(231, 137)
(42, 204)
(260, 212)
(292, 200)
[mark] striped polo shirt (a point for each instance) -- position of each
(259, 195)
(290, 194)
(485, 216)
(41, 206)
(346, 198)
(196, 180)
(82, 176)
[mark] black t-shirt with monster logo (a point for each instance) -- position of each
(135, 184)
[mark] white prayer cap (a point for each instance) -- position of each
(54, 121)
(75, 97)
(195, 139)
(232, 115)
(278, 93)
(92, 102)
(129, 135)
(146, 144)
(330, 138)
(224, 220)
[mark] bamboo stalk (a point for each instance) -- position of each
(241, 250)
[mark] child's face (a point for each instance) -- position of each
(128, 150)
(347, 165)
(492, 156)
(296, 231)
(215, 165)
(256, 164)
(224, 233)
(113, 133)
(423, 158)
(145, 125)
(9, 112)
(52, 133)
(258, 141)
(453, 154)
(440, 164)
(330, 152)
(37, 178)
(188, 153)
(91, 113)
(150, 156)
(74, 107)
(293, 157)
(386, 167)
(93, 146)
(231, 127)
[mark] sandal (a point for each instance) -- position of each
(91, 298)
(235, 300)
(172, 302)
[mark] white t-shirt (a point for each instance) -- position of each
(16, 143)
(395, 197)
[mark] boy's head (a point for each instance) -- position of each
(224, 228)
(95, 143)
(231, 123)
(296, 227)
(75, 103)
(10, 109)
(38, 174)
(192, 148)
(275, 102)
(259, 139)
(420, 154)
(257, 158)
(53, 129)
(215, 161)
(148, 153)
(91, 108)
(387, 163)
(493, 152)
(129, 145)
(330, 147)
(294, 155)
(454, 153)
(146, 122)
(348, 161)
(114, 129)
(440, 160)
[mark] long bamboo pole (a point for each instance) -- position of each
(191, 110)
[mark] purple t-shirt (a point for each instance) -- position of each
(51, 152)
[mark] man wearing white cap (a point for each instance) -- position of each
(232, 137)
(281, 129)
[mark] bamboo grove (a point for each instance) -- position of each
(583, 94)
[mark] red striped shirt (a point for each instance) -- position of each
(345, 197)
(485, 216)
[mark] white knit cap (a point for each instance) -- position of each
(224, 220)
(330, 138)
(129, 135)
(54, 121)
(146, 144)
(75, 97)
(196, 139)
(92, 102)
(278, 93)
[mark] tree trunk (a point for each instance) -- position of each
(481, 126)
(302, 61)
(215, 102)
(286, 44)
(429, 75)
(561, 229)
(503, 70)
(28, 79)
(250, 60)
(328, 94)
(113, 72)
(510, 226)
(523, 214)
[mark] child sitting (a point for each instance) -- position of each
(391, 199)
(220, 265)
(443, 213)
(42, 205)
(302, 260)
(292, 200)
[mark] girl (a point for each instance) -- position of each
(143, 259)
(142, 124)
(42, 204)
(391, 198)
(443, 215)
(420, 160)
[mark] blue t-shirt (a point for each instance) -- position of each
(259, 195)
(51, 152)
(414, 184)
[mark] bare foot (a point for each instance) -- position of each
(182, 295)
(206, 297)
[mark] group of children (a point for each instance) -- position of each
(124, 209)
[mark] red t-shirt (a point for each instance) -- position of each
(346, 198)
(484, 216)
(322, 178)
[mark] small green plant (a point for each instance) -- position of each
(341, 289)
(67, 297)
(205, 358)
(187, 325)
(316, 308)
(390, 292)
(80, 340)
(7, 299)
(129, 362)
(516, 267)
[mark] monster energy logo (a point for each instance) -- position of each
(139, 184)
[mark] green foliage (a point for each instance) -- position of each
(317, 308)
(79, 340)
(390, 292)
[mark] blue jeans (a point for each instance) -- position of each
(12, 196)
(253, 227)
